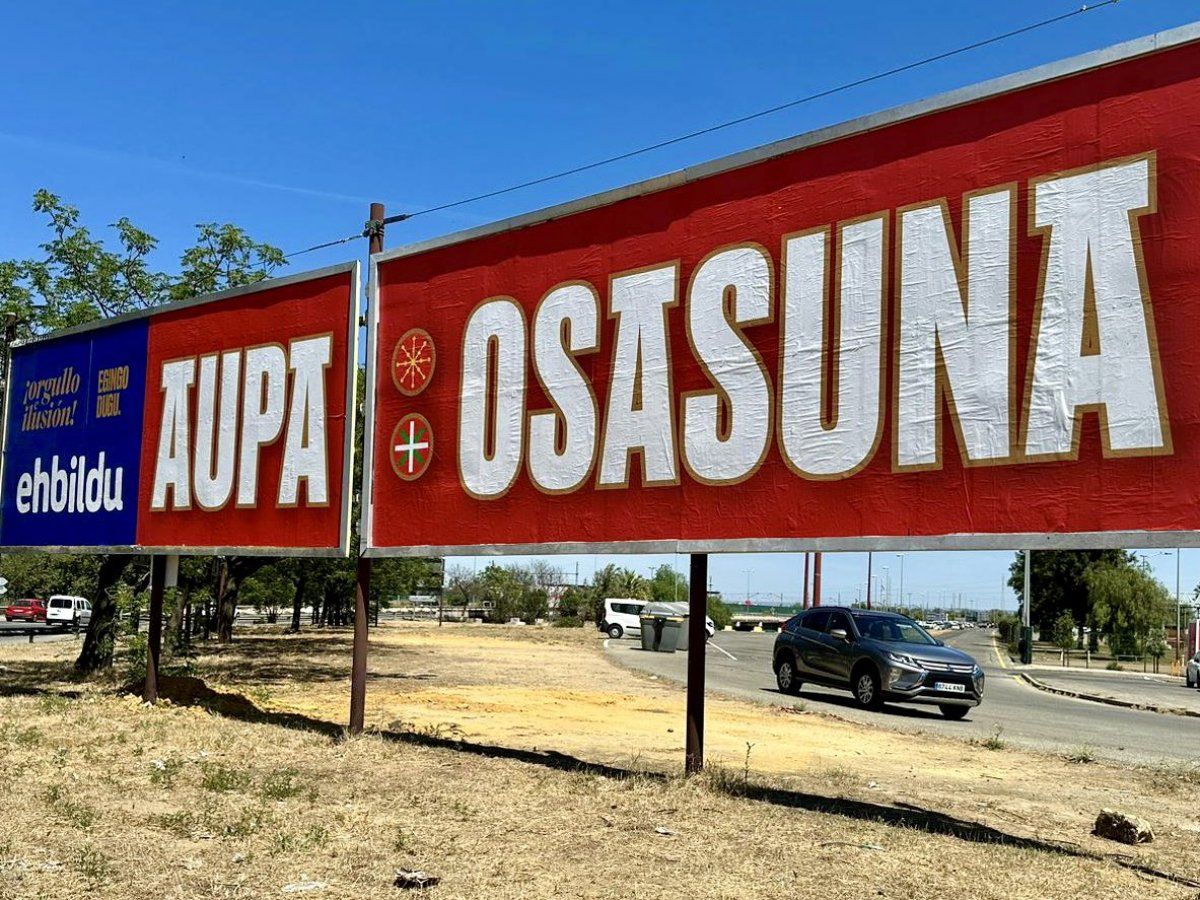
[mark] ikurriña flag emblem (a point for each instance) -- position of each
(412, 447)
(413, 361)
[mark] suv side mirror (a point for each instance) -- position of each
(839, 634)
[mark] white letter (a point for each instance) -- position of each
(955, 331)
(729, 289)
(24, 490)
(1103, 356)
(304, 449)
(171, 468)
(837, 445)
(566, 322)
(640, 416)
(491, 414)
(262, 414)
(213, 484)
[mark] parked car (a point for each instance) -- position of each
(879, 657)
(622, 616)
(25, 610)
(68, 611)
(1192, 671)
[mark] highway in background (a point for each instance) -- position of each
(739, 665)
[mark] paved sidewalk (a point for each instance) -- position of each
(1128, 687)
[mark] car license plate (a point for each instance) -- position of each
(950, 687)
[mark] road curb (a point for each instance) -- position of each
(1109, 701)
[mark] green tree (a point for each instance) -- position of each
(1059, 583)
(577, 602)
(615, 581)
(1129, 605)
(504, 589)
(668, 586)
(1063, 634)
(77, 279)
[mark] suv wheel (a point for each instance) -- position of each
(615, 631)
(954, 713)
(866, 688)
(785, 677)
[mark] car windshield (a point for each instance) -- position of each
(894, 631)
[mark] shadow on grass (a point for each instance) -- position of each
(193, 691)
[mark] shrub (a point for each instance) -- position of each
(568, 622)
(223, 778)
(281, 785)
(719, 613)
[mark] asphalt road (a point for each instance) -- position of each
(739, 664)
(18, 632)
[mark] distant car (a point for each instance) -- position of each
(623, 616)
(879, 657)
(25, 610)
(68, 611)
(1192, 672)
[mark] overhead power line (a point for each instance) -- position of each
(740, 120)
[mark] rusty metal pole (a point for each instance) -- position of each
(816, 593)
(806, 555)
(362, 586)
(697, 645)
(158, 579)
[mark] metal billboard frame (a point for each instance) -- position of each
(1054, 71)
(343, 548)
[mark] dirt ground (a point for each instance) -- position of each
(521, 762)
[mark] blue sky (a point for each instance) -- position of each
(288, 118)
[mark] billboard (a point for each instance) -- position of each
(970, 322)
(220, 424)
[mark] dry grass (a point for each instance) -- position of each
(244, 798)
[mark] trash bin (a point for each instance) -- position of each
(672, 629)
(649, 632)
(661, 632)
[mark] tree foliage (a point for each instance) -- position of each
(1129, 605)
(1060, 584)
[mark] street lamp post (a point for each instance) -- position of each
(900, 556)
(1178, 611)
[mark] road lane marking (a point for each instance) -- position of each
(723, 650)
(999, 655)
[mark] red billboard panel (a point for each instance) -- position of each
(250, 417)
(965, 323)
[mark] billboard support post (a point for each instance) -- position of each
(362, 587)
(158, 579)
(697, 644)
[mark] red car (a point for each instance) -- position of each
(26, 610)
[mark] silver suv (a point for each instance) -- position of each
(879, 657)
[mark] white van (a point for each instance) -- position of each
(623, 615)
(63, 609)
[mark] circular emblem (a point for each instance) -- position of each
(412, 447)
(413, 361)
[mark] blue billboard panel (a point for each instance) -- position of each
(74, 438)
